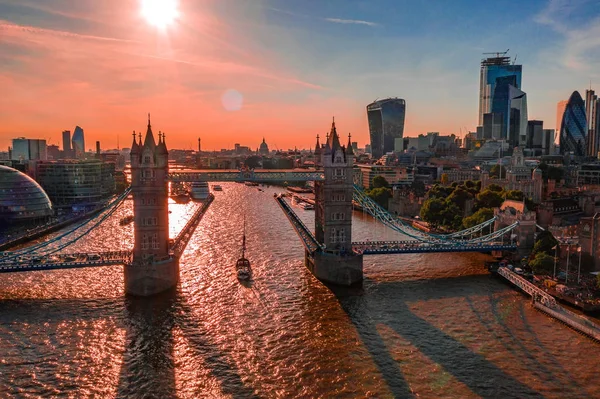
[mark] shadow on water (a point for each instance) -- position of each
(148, 368)
(148, 364)
(387, 304)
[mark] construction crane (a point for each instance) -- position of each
(499, 53)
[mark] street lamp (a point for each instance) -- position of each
(555, 257)
(579, 267)
(568, 256)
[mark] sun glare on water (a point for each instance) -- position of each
(159, 13)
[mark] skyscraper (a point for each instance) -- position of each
(495, 70)
(66, 138)
(573, 129)
(591, 100)
(386, 124)
(28, 149)
(78, 143)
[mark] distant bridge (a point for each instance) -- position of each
(247, 175)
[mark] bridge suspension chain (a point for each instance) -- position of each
(396, 224)
(43, 247)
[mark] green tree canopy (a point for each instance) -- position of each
(489, 199)
(470, 184)
(478, 217)
(439, 191)
(444, 179)
(380, 181)
(418, 187)
(459, 197)
(542, 263)
(516, 195)
(545, 242)
(495, 187)
(381, 195)
(433, 210)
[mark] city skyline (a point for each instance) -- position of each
(235, 74)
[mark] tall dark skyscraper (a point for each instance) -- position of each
(66, 139)
(78, 142)
(494, 71)
(386, 124)
(591, 101)
(573, 129)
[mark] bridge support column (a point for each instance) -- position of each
(336, 269)
(149, 277)
(154, 268)
(336, 263)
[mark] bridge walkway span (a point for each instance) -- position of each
(308, 239)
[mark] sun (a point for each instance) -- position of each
(160, 13)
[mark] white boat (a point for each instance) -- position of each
(199, 190)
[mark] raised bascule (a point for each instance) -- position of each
(330, 254)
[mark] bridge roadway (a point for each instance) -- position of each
(308, 239)
(251, 175)
(66, 261)
(413, 247)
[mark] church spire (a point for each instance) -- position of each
(135, 148)
(149, 139)
(318, 147)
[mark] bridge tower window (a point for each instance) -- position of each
(155, 241)
(144, 241)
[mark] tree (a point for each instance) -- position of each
(381, 195)
(432, 211)
(542, 263)
(478, 217)
(469, 184)
(459, 197)
(498, 171)
(495, 187)
(545, 243)
(489, 199)
(516, 195)
(380, 181)
(252, 162)
(418, 188)
(444, 179)
(439, 191)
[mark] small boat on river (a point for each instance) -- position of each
(242, 266)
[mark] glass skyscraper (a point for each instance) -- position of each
(78, 142)
(386, 124)
(496, 71)
(573, 129)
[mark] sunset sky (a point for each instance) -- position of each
(233, 71)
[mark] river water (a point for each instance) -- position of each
(424, 325)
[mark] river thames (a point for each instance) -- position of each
(422, 325)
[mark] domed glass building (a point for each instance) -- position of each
(21, 198)
(573, 130)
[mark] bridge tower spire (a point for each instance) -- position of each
(153, 268)
(337, 264)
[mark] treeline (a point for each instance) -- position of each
(446, 206)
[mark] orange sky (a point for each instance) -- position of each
(100, 65)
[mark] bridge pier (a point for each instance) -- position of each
(154, 268)
(145, 277)
(335, 269)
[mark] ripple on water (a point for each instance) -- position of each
(432, 325)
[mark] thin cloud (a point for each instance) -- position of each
(351, 21)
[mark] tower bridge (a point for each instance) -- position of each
(330, 254)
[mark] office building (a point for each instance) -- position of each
(591, 101)
(548, 138)
(76, 183)
(78, 141)
(494, 72)
(573, 129)
(386, 124)
(28, 149)
(66, 139)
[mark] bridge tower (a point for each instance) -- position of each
(153, 269)
(337, 264)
